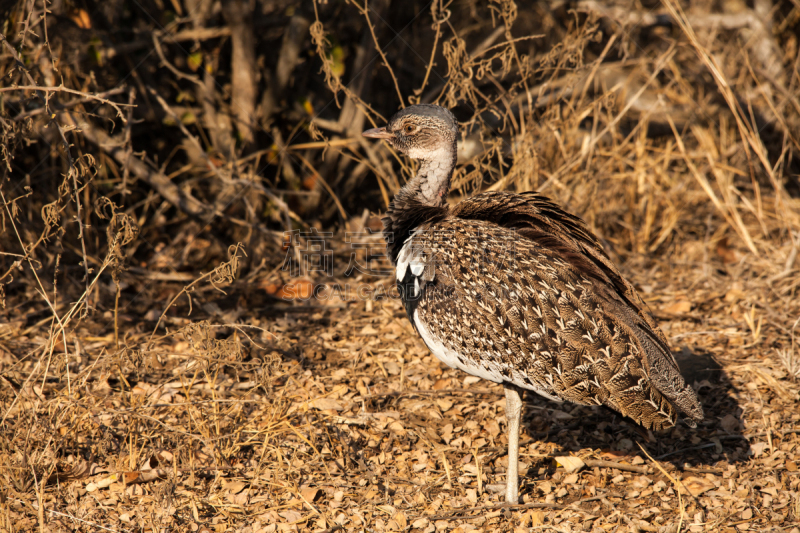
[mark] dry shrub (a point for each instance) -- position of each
(131, 326)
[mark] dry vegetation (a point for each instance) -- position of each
(169, 362)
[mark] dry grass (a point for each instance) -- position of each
(161, 369)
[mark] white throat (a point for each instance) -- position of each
(433, 177)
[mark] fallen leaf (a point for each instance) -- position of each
(103, 483)
(81, 469)
(729, 423)
(537, 518)
(309, 181)
(392, 368)
(733, 295)
(439, 385)
(271, 288)
(368, 330)
(571, 479)
(726, 252)
(291, 516)
(234, 487)
(310, 493)
(613, 454)
(570, 463)
(143, 476)
(492, 427)
(444, 404)
(388, 509)
(81, 19)
(758, 448)
(680, 307)
(696, 485)
(324, 404)
(625, 444)
(772, 491)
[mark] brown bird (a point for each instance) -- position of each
(511, 288)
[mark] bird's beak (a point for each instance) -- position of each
(378, 133)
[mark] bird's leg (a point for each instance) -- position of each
(513, 415)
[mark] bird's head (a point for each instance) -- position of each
(423, 131)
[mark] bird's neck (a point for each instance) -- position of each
(421, 200)
(432, 182)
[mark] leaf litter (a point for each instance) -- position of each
(224, 396)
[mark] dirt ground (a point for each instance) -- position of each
(322, 413)
(199, 331)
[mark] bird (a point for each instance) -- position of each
(511, 288)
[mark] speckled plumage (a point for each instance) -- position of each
(511, 288)
(541, 307)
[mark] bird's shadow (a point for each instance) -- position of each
(717, 439)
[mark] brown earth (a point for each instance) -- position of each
(167, 364)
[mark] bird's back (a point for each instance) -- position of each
(511, 288)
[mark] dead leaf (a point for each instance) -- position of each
(757, 448)
(291, 516)
(613, 455)
(734, 294)
(726, 252)
(772, 491)
(324, 404)
(310, 493)
(729, 423)
(558, 414)
(441, 384)
(81, 469)
(81, 19)
(571, 479)
(570, 463)
(310, 181)
(165, 456)
(388, 509)
(492, 427)
(234, 487)
(681, 307)
(143, 476)
(444, 404)
(368, 330)
(103, 483)
(696, 485)
(270, 288)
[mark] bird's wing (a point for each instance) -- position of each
(567, 238)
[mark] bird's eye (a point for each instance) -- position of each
(408, 128)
